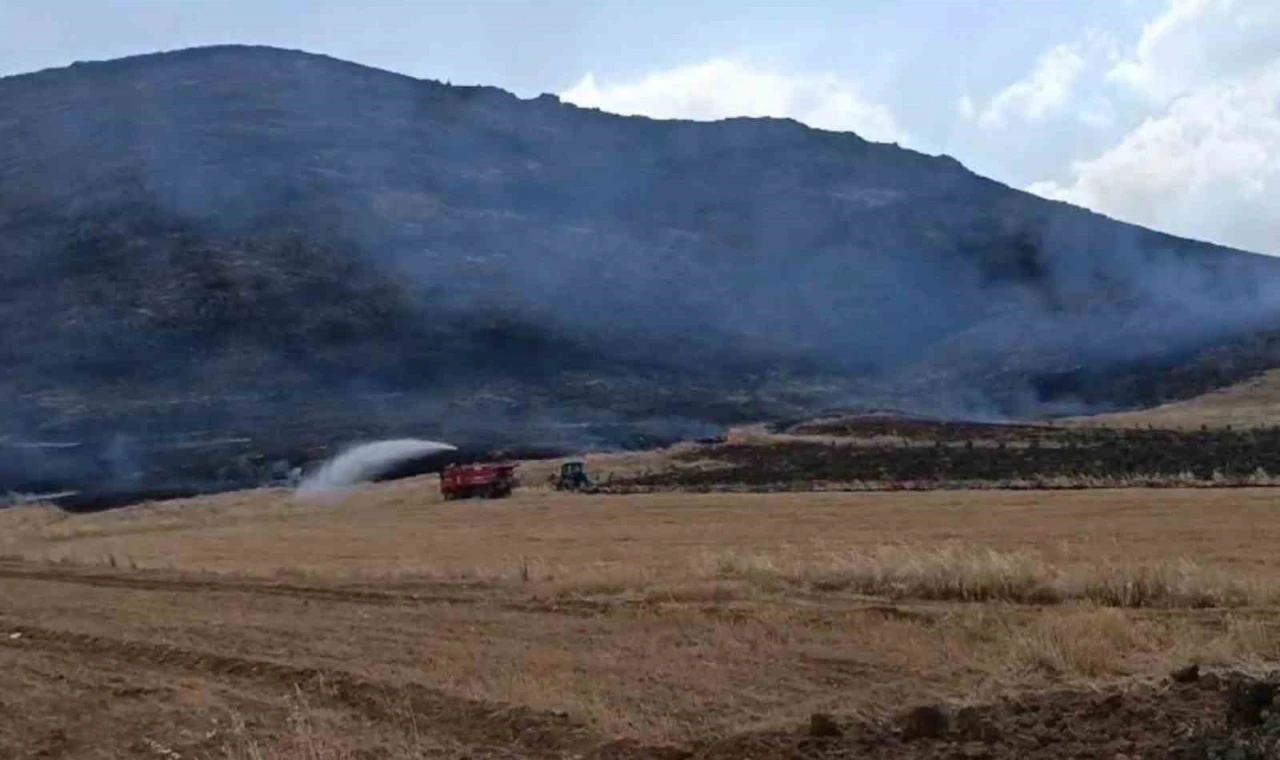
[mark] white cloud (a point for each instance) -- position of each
(1044, 92)
(722, 88)
(1205, 162)
(1198, 42)
(1103, 43)
(1208, 167)
(967, 109)
(1096, 112)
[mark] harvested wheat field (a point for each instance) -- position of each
(389, 624)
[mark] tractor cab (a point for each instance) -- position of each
(572, 477)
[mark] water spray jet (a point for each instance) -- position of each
(367, 461)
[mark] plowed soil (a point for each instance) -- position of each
(1196, 720)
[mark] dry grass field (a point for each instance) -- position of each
(388, 623)
(1253, 403)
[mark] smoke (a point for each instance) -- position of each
(367, 461)
(389, 255)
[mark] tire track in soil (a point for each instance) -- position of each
(832, 609)
(473, 723)
(139, 580)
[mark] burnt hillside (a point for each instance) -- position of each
(259, 243)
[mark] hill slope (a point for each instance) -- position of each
(1249, 404)
(238, 242)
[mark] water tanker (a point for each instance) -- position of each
(487, 481)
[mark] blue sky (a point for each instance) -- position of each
(1161, 112)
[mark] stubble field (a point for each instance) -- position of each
(391, 624)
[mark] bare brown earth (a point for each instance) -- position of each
(390, 624)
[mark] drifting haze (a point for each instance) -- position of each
(439, 232)
(264, 245)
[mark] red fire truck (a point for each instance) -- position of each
(486, 481)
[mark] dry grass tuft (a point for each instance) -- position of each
(309, 735)
(955, 573)
(1086, 643)
(979, 574)
(1177, 583)
(1242, 640)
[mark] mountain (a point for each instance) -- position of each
(232, 255)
